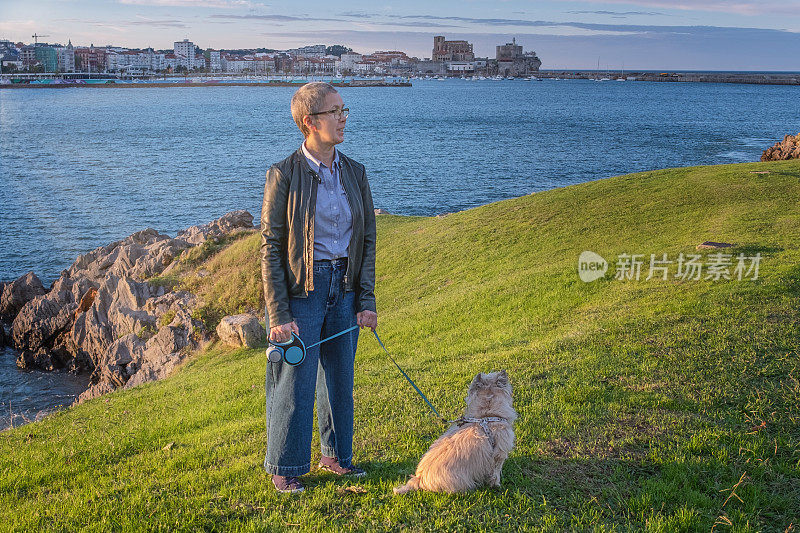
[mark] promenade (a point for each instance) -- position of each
(140, 85)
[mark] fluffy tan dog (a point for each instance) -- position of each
(472, 451)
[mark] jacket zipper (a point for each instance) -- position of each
(353, 218)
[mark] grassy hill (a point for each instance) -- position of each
(646, 405)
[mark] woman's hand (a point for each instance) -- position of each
(283, 332)
(367, 319)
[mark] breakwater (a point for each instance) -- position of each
(755, 78)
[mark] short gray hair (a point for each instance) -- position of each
(308, 99)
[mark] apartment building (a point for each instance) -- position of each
(185, 51)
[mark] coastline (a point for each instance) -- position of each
(748, 78)
(364, 83)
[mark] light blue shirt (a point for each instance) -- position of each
(333, 221)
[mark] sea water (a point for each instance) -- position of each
(83, 167)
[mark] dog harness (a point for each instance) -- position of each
(483, 423)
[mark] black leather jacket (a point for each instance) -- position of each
(287, 235)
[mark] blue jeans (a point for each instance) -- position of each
(327, 368)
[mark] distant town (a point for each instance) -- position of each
(448, 58)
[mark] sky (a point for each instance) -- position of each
(736, 35)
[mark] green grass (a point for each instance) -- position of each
(650, 405)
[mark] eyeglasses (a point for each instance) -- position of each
(338, 114)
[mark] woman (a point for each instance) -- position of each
(318, 271)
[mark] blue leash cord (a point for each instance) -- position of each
(433, 409)
(435, 412)
(332, 337)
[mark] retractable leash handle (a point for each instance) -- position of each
(293, 351)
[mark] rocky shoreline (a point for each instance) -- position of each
(788, 148)
(104, 317)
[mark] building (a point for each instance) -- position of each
(9, 61)
(316, 50)
(171, 62)
(511, 61)
(430, 68)
(509, 51)
(232, 63)
(155, 59)
(134, 61)
(7, 46)
(90, 59)
(66, 58)
(392, 58)
(461, 67)
(347, 62)
(47, 57)
(264, 64)
(451, 50)
(184, 50)
(213, 60)
(27, 56)
(283, 62)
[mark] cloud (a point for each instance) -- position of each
(356, 14)
(155, 23)
(419, 24)
(751, 7)
(616, 13)
(194, 3)
(120, 24)
(523, 23)
(588, 26)
(17, 25)
(275, 18)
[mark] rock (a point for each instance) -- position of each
(379, 211)
(76, 286)
(131, 361)
(161, 355)
(94, 391)
(241, 330)
(120, 360)
(36, 328)
(155, 369)
(789, 148)
(168, 340)
(117, 310)
(713, 245)
(142, 255)
(19, 292)
(41, 328)
(230, 223)
(175, 309)
(102, 315)
(3, 340)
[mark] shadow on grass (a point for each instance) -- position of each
(558, 479)
(751, 249)
(791, 281)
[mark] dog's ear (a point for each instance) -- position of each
(502, 379)
(477, 381)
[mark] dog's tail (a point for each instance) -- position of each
(413, 484)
